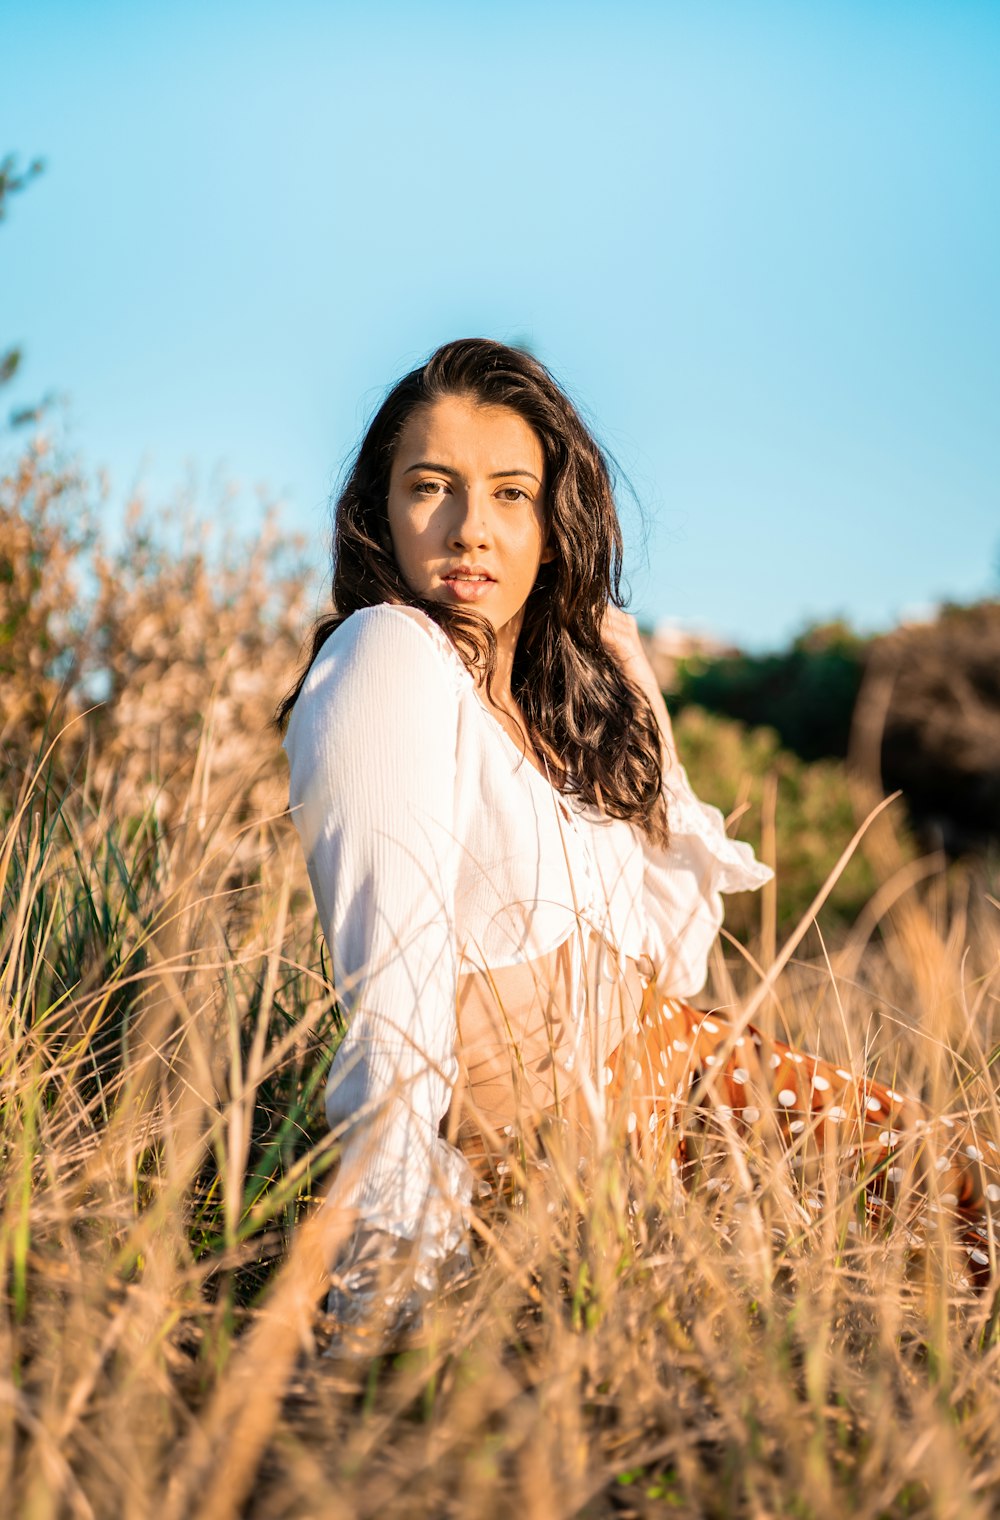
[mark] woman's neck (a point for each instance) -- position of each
(501, 692)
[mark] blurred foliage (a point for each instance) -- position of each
(805, 693)
(13, 180)
(918, 710)
(808, 810)
(45, 536)
(142, 650)
(938, 685)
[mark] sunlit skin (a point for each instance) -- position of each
(468, 523)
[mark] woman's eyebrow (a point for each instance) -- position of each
(499, 474)
(445, 469)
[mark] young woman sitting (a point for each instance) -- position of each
(517, 885)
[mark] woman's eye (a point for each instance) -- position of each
(428, 487)
(512, 493)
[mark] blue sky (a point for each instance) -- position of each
(759, 243)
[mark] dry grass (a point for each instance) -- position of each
(749, 1347)
(623, 1349)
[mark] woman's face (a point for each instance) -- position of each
(467, 509)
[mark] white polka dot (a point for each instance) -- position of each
(774, 1061)
(648, 1022)
(664, 1058)
(895, 1096)
(894, 1173)
(793, 1055)
(680, 1046)
(739, 1042)
(508, 1129)
(609, 1076)
(835, 1113)
(797, 1125)
(820, 1084)
(710, 1025)
(636, 1070)
(653, 1120)
(711, 1060)
(751, 1114)
(661, 1079)
(941, 1164)
(950, 1198)
(948, 1123)
(632, 1122)
(888, 1136)
(845, 1076)
(740, 1075)
(873, 1105)
(993, 1193)
(979, 1257)
(786, 1097)
(974, 1153)
(724, 1111)
(668, 1013)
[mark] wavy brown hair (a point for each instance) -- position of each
(594, 726)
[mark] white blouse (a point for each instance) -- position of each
(437, 853)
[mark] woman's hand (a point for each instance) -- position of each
(621, 636)
(622, 639)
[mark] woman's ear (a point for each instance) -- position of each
(548, 554)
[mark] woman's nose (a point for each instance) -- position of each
(469, 527)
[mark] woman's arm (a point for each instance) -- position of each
(621, 636)
(683, 883)
(372, 755)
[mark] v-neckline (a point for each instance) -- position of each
(522, 754)
(437, 634)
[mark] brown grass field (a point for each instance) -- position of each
(757, 1345)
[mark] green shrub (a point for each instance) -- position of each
(739, 770)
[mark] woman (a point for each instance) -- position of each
(516, 883)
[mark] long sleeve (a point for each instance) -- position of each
(372, 756)
(683, 886)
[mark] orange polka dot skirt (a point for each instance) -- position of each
(686, 1076)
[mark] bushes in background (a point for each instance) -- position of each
(919, 706)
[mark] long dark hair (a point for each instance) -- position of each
(594, 726)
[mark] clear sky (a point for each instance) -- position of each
(759, 243)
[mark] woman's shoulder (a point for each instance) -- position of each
(391, 647)
(397, 623)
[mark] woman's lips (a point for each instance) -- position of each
(467, 588)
